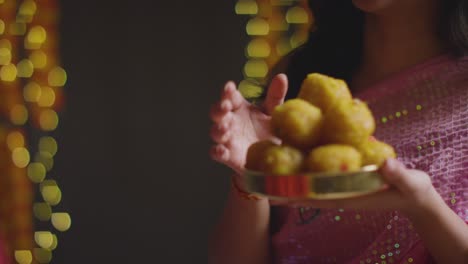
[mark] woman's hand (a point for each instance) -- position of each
(409, 191)
(238, 123)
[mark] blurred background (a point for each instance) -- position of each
(136, 80)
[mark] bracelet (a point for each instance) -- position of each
(243, 194)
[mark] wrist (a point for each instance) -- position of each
(425, 206)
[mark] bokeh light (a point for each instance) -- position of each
(246, 7)
(32, 92)
(297, 15)
(23, 256)
(42, 255)
(25, 68)
(45, 158)
(258, 48)
(275, 27)
(48, 144)
(257, 27)
(2, 26)
(61, 221)
(37, 35)
(32, 95)
(47, 97)
(57, 77)
(5, 56)
(256, 68)
(38, 59)
(42, 211)
(19, 114)
(48, 120)
(54, 242)
(8, 73)
(15, 139)
(20, 157)
(44, 239)
(36, 172)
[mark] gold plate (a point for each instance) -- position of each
(315, 185)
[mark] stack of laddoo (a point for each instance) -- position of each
(322, 130)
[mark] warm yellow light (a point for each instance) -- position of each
(36, 172)
(42, 255)
(8, 73)
(27, 8)
(46, 159)
(61, 221)
(32, 92)
(42, 211)
(246, 7)
(256, 68)
(48, 144)
(23, 256)
(25, 68)
(19, 115)
(283, 47)
(249, 89)
(38, 59)
(36, 35)
(54, 242)
(47, 97)
(20, 157)
(2, 26)
(5, 43)
(278, 23)
(258, 48)
(258, 27)
(297, 15)
(298, 39)
(44, 239)
(5, 56)
(15, 140)
(51, 194)
(48, 120)
(57, 77)
(17, 28)
(281, 2)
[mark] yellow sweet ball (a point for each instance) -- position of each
(334, 158)
(255, 153)
(348, 122)
(375, 152)
(282, 160)
(324, 91)
(297, 123)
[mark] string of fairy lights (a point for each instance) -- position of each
(275, 27)
(31, 96)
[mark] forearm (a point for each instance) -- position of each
(242, 233)
(442, 231)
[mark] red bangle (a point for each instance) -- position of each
(243, 194)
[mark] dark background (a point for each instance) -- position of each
(133, 162)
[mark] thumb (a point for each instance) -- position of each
(396, 174)
(276, 93)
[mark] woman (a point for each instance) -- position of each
(407, 59)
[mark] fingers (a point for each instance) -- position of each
(219, 110)
(232, 96)
(276, 93)
(396, 174)
(219, 153)
(220, 133)
(231, 100)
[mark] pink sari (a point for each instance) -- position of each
(423, 113)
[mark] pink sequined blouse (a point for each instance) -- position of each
(423, 113)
